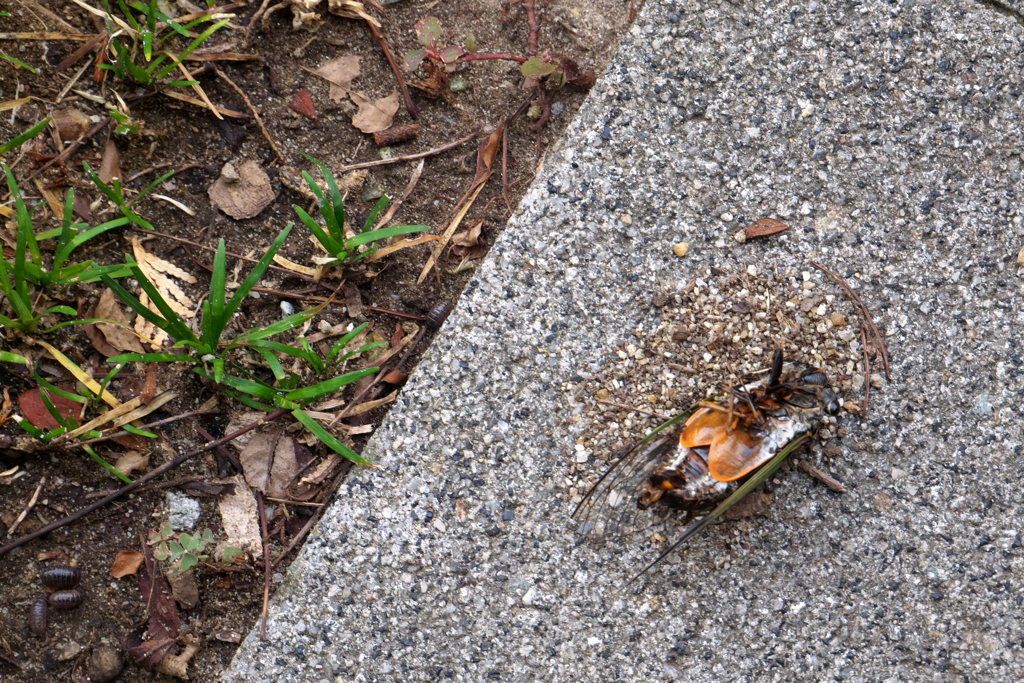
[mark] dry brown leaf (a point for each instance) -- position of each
(110, 165)
(120, 338)
(240, 420)
(322, 471)
(157, 271)
(284, 468)
(126, 563)
(257, 457)
(131, 461)
(374, 115)
(396, 377)
(302, 103)
(340, 73)
(764, 226)
(485, 153)
(242, 192)
(240, 517)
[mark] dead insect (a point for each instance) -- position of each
(37, 617)
(66, 599)
(700, 464)
(61, 577)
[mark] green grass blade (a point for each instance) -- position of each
(254, 275)
(148, 188)
(341, 343)
(338, 218)
(371, 219)
(274, 363)
(24, 137)
(8, 357)
(218, 281)
(384, 233)
(289, 323)
(327, 439)
(67, 232)
(140, 432)
(311, 393)
(333, 247)
(106, 465)
(150, 358)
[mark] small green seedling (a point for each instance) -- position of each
(185, 551)
(345, 249)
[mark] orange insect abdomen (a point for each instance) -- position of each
(702, 427)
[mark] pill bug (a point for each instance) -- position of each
(66, 599)
(438, 314)
(61, 577)
(37, 617)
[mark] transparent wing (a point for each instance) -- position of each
(610, 506)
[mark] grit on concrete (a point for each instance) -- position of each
(889, 135)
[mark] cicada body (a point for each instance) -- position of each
(700, 459)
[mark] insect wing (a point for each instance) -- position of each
(610, 506)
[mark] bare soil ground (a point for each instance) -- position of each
(184, 136)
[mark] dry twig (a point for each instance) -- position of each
(863, 310)
(255, 114)
(28, 508)
(824, 477)
(413, 157)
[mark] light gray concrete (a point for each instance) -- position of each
(889, 134)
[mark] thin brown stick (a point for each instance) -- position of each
(220, 449)
(28, 508)
(255, 115)
(409, 187)
(864, 313)
(70, 149)
(253, 20)
(388, 311)
(634, 409)
(413, 157)
(867, 373)
(266, 564)
(824, 477)
(139, 482)
(409, 106)
(173, 418)
(328, 494)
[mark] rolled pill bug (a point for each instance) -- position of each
(61, 577)
(37, 617)
(438, 314)
(66, 599)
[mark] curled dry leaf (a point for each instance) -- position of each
(302, 103)
(126, 563)
(764, 226)
(110, 165)
(242, 192)
(396, 377)
(120, 338)
(160, 272)
(340, 73)
(374, 115)
(131, 461)
(468, 243)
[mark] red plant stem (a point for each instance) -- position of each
(409, 106)
(531, 21)
(138, 482)
(497, 55)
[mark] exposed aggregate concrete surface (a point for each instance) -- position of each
(889, 136)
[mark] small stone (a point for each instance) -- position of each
(882, 502)
(105, 664)
(740, 236)
(407, 577)
(287, 309)
(626, 219)
(680, 334)
(603, 394)
(852, 408)
(458, 84)
(751, 271)
(727, 217)
(68, 650)
(898, 474)
(530, 595)
(582, 457)
(837, 319)
(182, 512)
(777, 605)
(876, 381)
(680, 249)
(324, 326)
(439, 525)
(658, 300)
(1020, 257)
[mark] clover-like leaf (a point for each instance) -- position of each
(207, 535)
(230, 554)
(187, 562)
(428, 31)
(161, 553)
(470, 43)
(188, 542)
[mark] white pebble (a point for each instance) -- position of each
(287, 308)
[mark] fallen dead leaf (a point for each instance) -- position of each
(468, 242)
(340, 73)
(257, 457)
(284, 468)
(303, 104)
(764, 226)
(184, 589)
(131, 461)
(163, 624)
(240, 517)
(120, 338)
(126, 563)
(158, 271)
(110, 165)
(374, 115)
(396, 377)
(32, 406)
(242, 192)
(485, 153)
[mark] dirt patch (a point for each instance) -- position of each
(189, 139)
